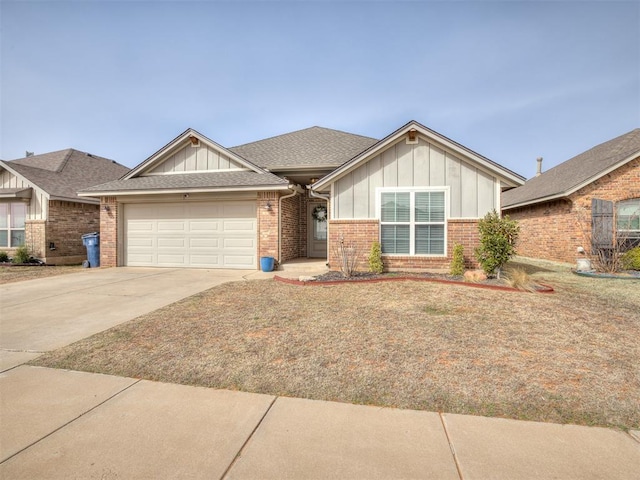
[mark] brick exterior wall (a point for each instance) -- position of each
(109, 232)
(291, 215)
(363, 233)
(35, 238)
(554, 230)
(64, 227)
(267, 225)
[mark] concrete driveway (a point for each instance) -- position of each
(48, 313)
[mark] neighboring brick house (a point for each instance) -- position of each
(589, 201)
(40, 208)
(195, 203)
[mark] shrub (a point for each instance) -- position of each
(519, 278)
(498, 237)
(347, 255)
(631, 259)
(375, 258)
(457, 262)
(21, 255)
(4, 257)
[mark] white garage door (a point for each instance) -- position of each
(206, 235)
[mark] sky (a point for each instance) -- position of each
(512, 80)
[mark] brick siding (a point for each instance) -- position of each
(64, 227)
(554, 230)
(362, 234)
(290, 230)
(109, 232)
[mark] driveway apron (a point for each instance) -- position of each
(49, 313)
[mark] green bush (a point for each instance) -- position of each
(21, 255)
(375, 258)
(457, 262)
(498, 237)
(4, 257)
(631, 259)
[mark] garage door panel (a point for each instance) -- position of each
(204, 226)
(232, 226)
(239, 261)
(144, 242)
(172, 226)
(239, 243)
(170, 242)
(208, 235)
(141, 226)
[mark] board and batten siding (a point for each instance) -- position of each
(196, 159)
(473, 192)
(37, 206)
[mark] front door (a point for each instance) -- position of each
(317, 231)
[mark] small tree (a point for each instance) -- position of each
(498, 237)
(457, 262)
(375, 258)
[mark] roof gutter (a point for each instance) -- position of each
(114, 193)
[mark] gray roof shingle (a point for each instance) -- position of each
(203, 180)
(63, 173)
(562, 179)
(314, 146)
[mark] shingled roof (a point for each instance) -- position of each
(202, 181)
(63, 173)
(575, 173)
(310, 147)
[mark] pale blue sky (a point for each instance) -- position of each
(512, 80)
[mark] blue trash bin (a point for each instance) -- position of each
(92, 242)
(267, 263)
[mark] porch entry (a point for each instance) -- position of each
(317, 231)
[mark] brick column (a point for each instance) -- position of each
(109, 232)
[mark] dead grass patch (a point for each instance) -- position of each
(570, 357)
(21, 273)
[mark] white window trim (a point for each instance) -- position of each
(412, 223)
(10, 229)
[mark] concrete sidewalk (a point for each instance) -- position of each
(66, 424)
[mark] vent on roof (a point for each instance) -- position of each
(28, 154)
(89, 155)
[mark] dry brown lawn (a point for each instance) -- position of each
(569, 357)
(21, 273)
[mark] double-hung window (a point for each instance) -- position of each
(628, 222)
(412, 221)
(12, 217)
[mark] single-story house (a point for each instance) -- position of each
(587, 202)
(40, 208)
(195, 203)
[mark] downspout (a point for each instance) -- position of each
(296, 189)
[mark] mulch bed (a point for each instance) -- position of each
(336, 278)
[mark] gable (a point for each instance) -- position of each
(198, 158)
(472, 191)
(17, 188)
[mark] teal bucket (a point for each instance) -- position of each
(267, 263)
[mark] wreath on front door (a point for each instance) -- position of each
(320, 213)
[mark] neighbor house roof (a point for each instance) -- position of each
(577, 172)
(195, 182)
(310, 147)
(63, 173)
